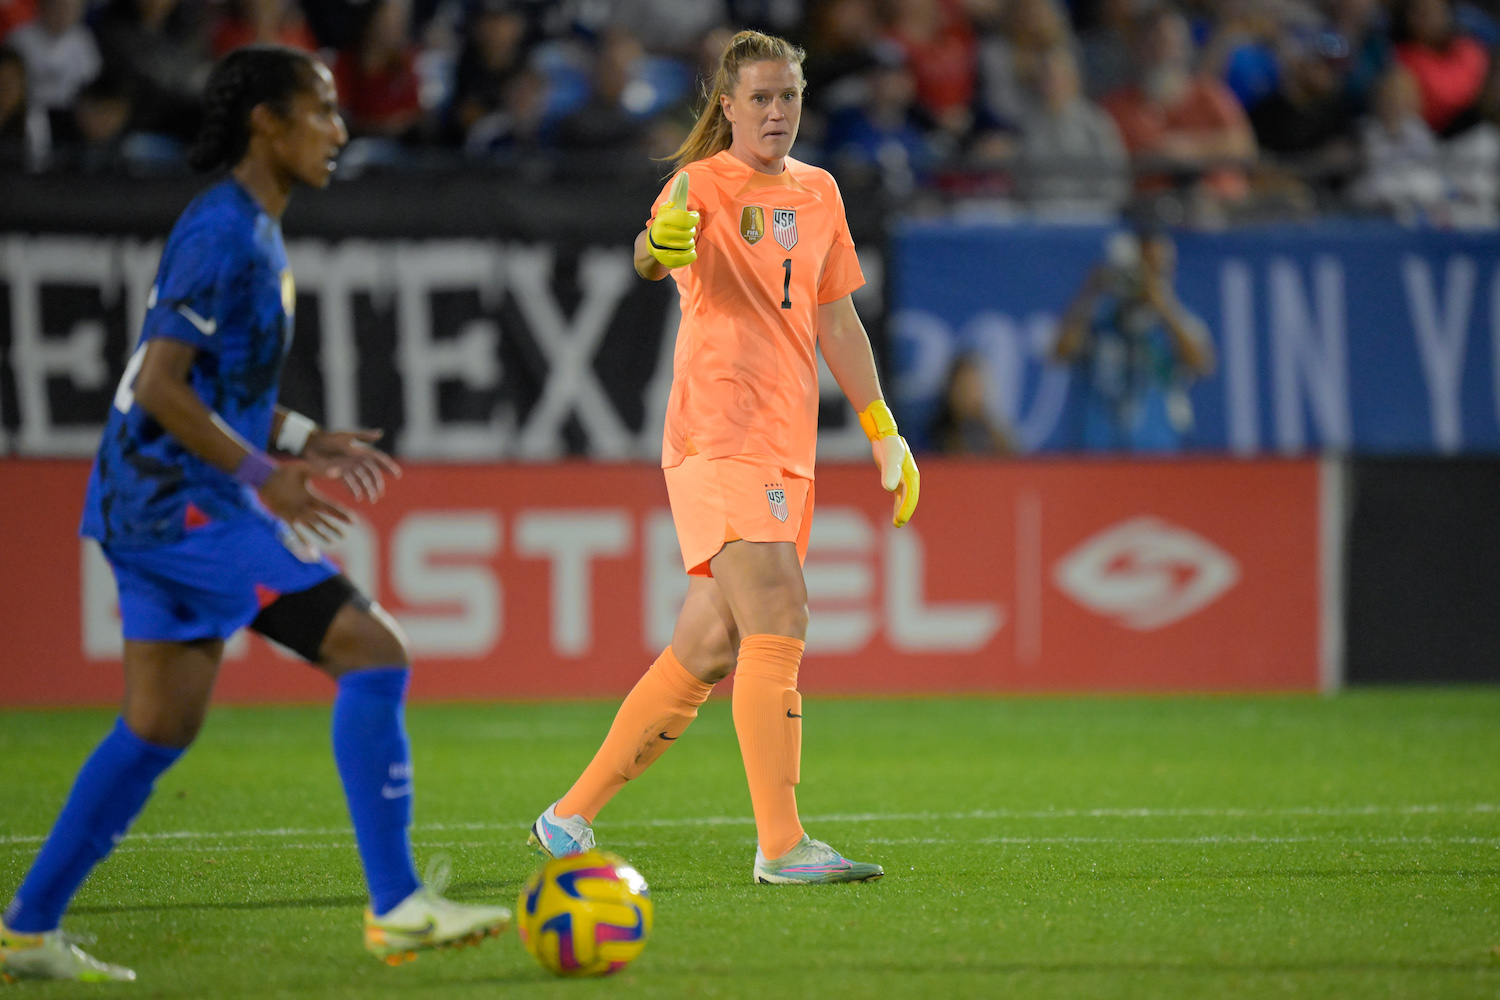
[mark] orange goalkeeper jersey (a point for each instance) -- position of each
(771, 249)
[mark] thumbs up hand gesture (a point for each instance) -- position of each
(674, 232)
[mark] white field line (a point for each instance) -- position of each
(347, 842)
(1482, 808)
(1247, 839)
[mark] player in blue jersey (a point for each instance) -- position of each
(204, 530)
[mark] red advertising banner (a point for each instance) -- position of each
(564, 580)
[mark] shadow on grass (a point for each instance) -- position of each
(459, 891)
(310, 903)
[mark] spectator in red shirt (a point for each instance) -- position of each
(377, 81)
(938, 41)
(1189, 123)
(14, 13)
(250, 21)
(1449, 68)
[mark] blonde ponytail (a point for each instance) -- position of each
(712, 132)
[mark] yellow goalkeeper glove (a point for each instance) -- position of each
(673, 234)
(898, 470)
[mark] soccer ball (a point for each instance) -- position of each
(585, 915)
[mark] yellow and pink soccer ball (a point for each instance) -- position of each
(585, 915)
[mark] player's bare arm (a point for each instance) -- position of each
(162, 390)
(347, 455)
(646, 265)
(846, 348)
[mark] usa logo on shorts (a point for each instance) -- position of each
(784, 226)
(777, 499)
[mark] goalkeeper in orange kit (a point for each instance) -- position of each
(764, 263)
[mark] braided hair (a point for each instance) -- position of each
(256, 74)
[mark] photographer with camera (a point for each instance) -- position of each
(1138, 347)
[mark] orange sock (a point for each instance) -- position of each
(768, 720)
(660, 706)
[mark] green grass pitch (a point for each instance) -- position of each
(1034, 848)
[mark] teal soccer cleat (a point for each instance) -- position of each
(560, 838)
(812, 862)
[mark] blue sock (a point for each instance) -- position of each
(374, 761)
(110, 790)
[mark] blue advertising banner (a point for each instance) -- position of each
(1345, 336)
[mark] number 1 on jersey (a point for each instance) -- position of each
(786, 285)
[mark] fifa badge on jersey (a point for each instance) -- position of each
(752, 223)
(784, 226)
(777, 498)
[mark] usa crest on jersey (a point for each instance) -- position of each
(784, 226)
(777, 498)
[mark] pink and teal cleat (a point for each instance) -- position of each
(812, 862)
(558, 837)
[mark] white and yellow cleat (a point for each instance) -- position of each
(54, 955)
(425, 920)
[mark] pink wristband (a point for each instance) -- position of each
(254, 469)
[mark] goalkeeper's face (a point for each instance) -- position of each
(766, 109)
(309, 138)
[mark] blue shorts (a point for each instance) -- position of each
(214, 581)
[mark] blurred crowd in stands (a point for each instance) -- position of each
(1209, 110)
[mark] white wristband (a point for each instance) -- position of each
(295, 430)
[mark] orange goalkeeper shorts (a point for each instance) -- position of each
(750, 497)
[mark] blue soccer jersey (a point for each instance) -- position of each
(224, 287)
